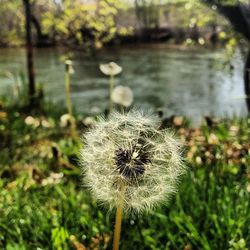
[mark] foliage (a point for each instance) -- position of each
(183, 15)
(12, 22)
(89, 22)
(78, 21)
(94, 23)
(43, 204)
(149, 12)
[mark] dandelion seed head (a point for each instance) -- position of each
(110, 69)
(122, 95)
(129, 149)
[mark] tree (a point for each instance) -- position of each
(29, 52)
(12, 22)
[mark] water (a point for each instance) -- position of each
(190, 82)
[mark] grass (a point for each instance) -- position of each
(44, 206)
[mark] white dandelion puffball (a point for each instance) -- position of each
(129, 151)
(110, 69)
(122, 95)
(66, 120)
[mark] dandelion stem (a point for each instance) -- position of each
(117, 233)
(69, 104)
(118, 221)
(111, 85)
(67, 92)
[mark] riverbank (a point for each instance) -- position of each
(44, 205)
(168, 36)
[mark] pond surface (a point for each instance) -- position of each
(192, 82)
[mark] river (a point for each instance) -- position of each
(190, 82)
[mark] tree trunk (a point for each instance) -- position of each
(238, 15)
(37, 27)
(247, 80)
(29, 54)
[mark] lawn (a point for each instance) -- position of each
(44, 204)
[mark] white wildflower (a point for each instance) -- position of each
(54, 178)
(31, 121)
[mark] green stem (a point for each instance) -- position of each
(67, 92)
(69, 104)
(111, 85)
(118, 221)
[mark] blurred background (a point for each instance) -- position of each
(185, 57)
(64, 62)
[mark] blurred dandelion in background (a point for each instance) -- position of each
(122, 95)
(65, 120)
(129, 164)
(110, 69)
